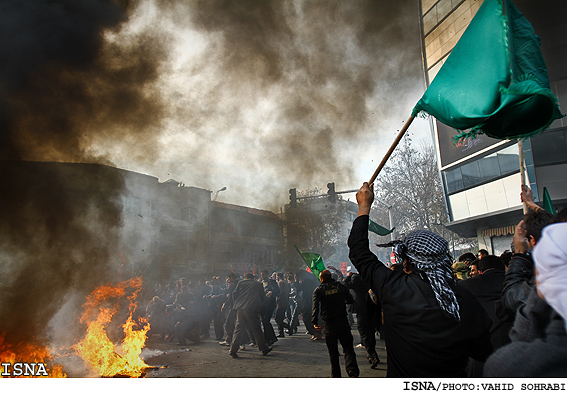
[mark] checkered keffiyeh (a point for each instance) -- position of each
(428, 252)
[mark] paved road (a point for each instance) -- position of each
(294, 356)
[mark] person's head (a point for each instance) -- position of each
(534, 223)
(249, 276)
(550, 258)
(561, 216)
(474, 268)
(325, 275)
(264, 274)
(489, 262)
(461, 271)
(427, 253)
(466, 258)
(506, 257)
(280, 276)
(482, 253)
(231, 277)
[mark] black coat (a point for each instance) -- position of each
(539, 344)
(422, 340)
(248, 294)
(487, 288)
(332, 296)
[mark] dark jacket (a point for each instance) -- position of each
(422, 340)
(539, 344)
(332, 296)
(248, 294)
(359, 289)
(487, 288)
(518, 283)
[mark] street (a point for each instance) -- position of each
(294, 356)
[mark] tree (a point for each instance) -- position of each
(316, 225)
(410, 184)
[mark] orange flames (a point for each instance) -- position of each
(96, 349)
(98, 352)
(28, 354)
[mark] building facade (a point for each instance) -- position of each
(481, 177)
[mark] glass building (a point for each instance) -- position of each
(481, 177)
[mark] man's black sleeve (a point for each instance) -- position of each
(315, 308)
(369, 267)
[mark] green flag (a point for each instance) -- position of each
(495, 80)
(547, 203)
(376, 228)
(313, 261)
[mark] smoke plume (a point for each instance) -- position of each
(255, 95)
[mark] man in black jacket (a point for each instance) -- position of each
(248, 299)
(487, 288)
(331, 298)
(368, 316)
(431, 325)
(271, 292)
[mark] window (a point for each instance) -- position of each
(550, 148)
(485, 169)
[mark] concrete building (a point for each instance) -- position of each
(244, 239)
(481, 177)
(131, 224)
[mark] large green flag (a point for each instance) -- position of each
(376, 228)
(313, 261)
(495, 80)
(547, 203)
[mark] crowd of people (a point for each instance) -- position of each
(481, 315)
(185, 310)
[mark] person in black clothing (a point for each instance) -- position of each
(367, 316)
(331, 298)
(230, 322)
(271, 291)
(307, 283)
(248, 299)
(431, 324)
(520, 275)
(487, 288)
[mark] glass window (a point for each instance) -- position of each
(471, 174)
(550, 148)
(453, 180)
(509, 159)
(489, 167)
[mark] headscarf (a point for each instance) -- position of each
(428, 252)
(550, 256)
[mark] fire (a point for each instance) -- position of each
(28, 354)
(96, 349)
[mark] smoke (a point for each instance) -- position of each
(63, 81)
(280, 94)
(258, 96)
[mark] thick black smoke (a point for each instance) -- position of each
(62, 82)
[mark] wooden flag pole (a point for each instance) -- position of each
(522, 170)
(389, 153)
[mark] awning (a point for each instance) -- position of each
(498, 232)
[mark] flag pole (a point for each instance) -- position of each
(522, 170)
(389, 153)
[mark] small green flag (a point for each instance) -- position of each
(376, 228)
(547, 203)
(495, 80)
(313, 261)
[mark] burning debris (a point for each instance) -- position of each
(96, 349)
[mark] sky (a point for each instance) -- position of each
(255, 96)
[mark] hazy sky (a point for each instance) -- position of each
(255, 96)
